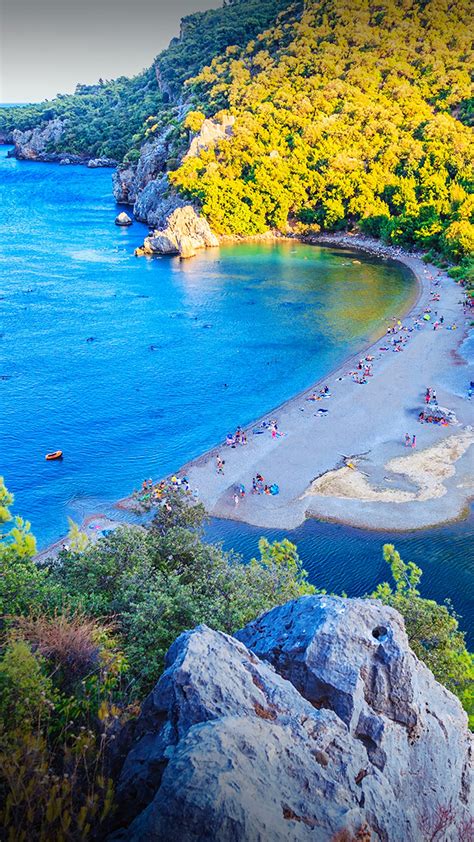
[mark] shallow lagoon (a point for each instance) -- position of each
(133, 366)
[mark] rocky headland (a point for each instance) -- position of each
(39, 144)
(178, 227)
(315, 719)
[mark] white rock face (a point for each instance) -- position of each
(155, 201)
(31, 144)
(226, 749)
(211, 132)
(184, 234)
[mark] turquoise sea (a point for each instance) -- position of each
(133, 366)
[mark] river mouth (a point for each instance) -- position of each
(134, 366)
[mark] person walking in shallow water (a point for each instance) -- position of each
(407, 440)
(413, 442)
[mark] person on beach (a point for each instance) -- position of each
(254, 485)
(236, 499)
(413, 443)
(220, 465)
(407, 440)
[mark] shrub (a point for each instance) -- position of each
(26, 692)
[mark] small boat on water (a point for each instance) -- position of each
(58, 454)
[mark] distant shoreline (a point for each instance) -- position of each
(291, 508)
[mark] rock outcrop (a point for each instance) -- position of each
(323, 721)
(130, 180)
(123, 220)
(184, 234)
(38, 145)
(34, 144)
(179, 228)
(211, 132)
(93, 163)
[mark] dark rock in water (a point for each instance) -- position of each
(324, 720)
(90, 339)
(123, 219)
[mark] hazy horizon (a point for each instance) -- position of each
(49, 47)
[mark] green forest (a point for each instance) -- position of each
(84, 636)
(348, 116)
(109, 119)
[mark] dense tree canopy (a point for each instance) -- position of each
(346, 114)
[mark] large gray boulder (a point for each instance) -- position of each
(184, 233)
(352, 657)
(360, 735)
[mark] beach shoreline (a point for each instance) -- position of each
(305, 453)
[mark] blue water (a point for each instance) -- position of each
(234, 332)
(147, 391)
(343, 559)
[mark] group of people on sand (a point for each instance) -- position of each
(323, 393)
(239, 437)
(154, 492)
(430, 395)
(363, 371)
(260, 487)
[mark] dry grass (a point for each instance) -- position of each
(361, 835)
(72, 642)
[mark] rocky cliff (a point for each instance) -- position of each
(179, 228)
(39, 144)
(316, 720)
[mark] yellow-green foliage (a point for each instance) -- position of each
(25, 689)
(344, 114)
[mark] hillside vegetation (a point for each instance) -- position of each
(84, 637)
(108, 119)
(346, 114)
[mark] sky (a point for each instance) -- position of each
(48, 46)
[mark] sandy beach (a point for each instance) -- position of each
(343, 457)
(387, 486)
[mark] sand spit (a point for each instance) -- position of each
(426, 469)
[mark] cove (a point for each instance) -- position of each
(134, 366)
